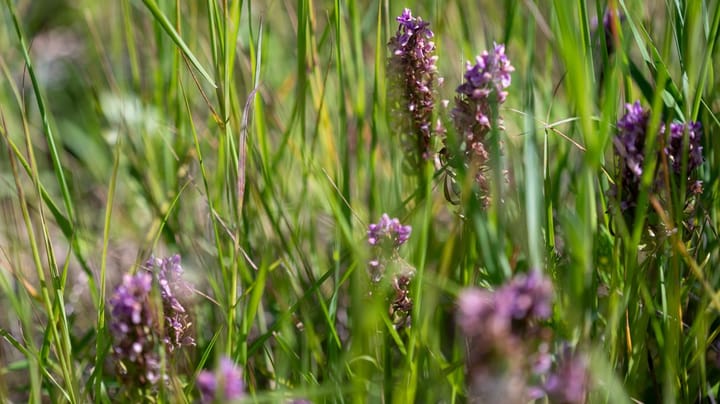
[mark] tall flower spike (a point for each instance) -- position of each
(131, 326)
(412, 76)
(485, 82)
(485, 85)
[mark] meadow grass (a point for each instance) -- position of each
(256, 140)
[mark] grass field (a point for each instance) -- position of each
(342, 201)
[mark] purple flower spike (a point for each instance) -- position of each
(225, 384)
(131, 326)
(484, 88)
(487, 78)
(412, 77)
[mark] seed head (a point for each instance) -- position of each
(412, 77)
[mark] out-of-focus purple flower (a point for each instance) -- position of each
(224, 385)
(629, 144)
(484, 88)
(569, 382)
(526, 297)
(172, 286)
(508, 311)
(503, 332)
(676, 149)
(477, 315)
(131, 326)
(412, 77)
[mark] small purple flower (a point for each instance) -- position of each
(225, 384)
(131, 326)
(630, 140)
(388, 230)
(412, 76)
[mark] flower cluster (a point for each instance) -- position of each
(482, 91)
(386, 237)
(132, 328)
(388, 230)
(508, 342)
(629, 144)
(134, 324)
(223, 385)
(412, 76)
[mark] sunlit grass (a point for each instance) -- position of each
(254, 139)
